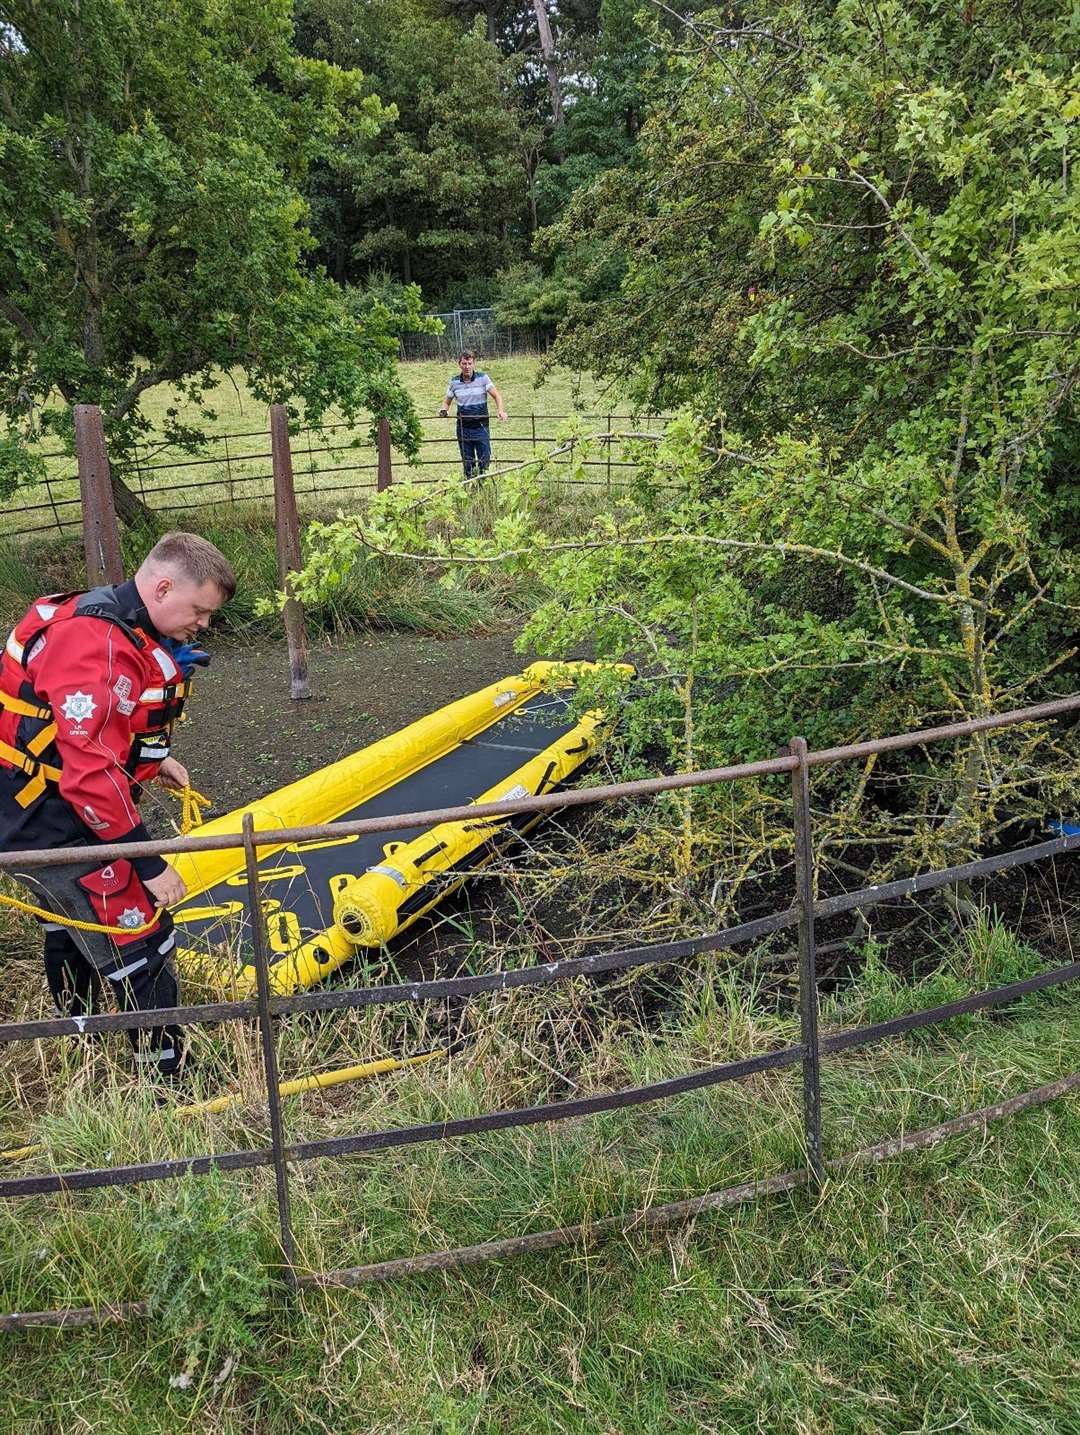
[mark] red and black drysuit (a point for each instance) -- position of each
(89, 692)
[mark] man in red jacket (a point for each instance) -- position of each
(90, 686)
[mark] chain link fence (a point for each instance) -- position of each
(479, 330)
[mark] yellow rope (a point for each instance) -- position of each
(191, 813)
(191, 816)
(74, 922)
(314, 1082)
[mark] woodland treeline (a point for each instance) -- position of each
(846, 247)
(503, 111)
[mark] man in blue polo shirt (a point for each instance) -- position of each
(469, 390)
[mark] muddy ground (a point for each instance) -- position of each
(246, 736)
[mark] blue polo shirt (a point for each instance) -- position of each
(471, 397)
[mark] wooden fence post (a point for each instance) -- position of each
(385, 474)
(287, 525)
(101, 536)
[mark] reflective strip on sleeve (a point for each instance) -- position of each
(169, 670)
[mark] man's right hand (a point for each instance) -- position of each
(444, 413)
(167, 887)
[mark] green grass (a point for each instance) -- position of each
(332, 470)
(937, 1291)
(375, 593)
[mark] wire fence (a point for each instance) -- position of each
(330, 465)
(479, 330)
(804, 914)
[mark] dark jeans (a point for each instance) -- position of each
(474, 441)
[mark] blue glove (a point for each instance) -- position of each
(187, 656)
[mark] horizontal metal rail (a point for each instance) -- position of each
(167, 497)
(298, 434)
(302, 453)
(576, 797)
(804, 914)
(370, 1141)
(648, 1219)
(587, 1233)
(514, 979)
(678, 1212)
(76, 1317)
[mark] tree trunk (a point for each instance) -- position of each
(547, 49)
(532, 159)
(339, 236)
(130, 509)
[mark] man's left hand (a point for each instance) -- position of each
(503, 415)
(173, 775)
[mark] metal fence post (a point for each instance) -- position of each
(101, 536)
(384, 474)
(52, 500)
(139, 474)
(808, 996)
(228, 471)
(266, 1031)
(287, 524)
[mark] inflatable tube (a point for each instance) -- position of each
(324, 900)
(386, 899)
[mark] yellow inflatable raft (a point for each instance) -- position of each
(324, 900)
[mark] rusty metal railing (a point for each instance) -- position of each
(804, 913)
(240, 472)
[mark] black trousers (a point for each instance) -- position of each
(88, 970)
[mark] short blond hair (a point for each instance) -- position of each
(196, 558)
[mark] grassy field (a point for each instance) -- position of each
(332, 469)
(936, 1292)
(376, 593)
(226, 497)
